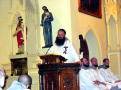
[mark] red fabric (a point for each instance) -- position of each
(20, 37)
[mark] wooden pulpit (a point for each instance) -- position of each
(56, 75)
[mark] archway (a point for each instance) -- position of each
(93, 45)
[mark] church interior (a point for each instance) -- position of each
(94, 32)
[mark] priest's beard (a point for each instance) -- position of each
(107, 66)
(60, 41)
(95, 66)
(86, 65)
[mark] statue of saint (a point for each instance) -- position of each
(19, 34)
(46, 20)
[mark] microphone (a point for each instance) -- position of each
(48, 50)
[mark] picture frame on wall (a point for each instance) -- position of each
(90, 7)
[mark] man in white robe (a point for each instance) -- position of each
(85, 77)
(2, 78)
(23, 83)
(64, 48)
(96, 76)
(109, 76)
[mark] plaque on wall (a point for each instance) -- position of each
(19, 66)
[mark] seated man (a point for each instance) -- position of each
(109, 76)
(85, 78)
(64, 47)
(96, 76)
(24, 83)
(2, 78)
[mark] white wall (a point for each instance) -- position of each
(82, 23)
(33, 23)
(5, 39)
(92, 45)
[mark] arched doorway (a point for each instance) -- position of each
(93, 45)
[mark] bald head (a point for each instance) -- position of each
(25, 79)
